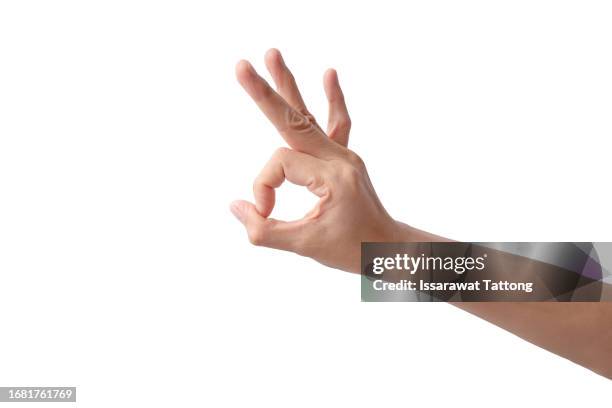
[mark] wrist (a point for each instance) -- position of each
(405, 233)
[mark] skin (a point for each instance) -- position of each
(349, 212)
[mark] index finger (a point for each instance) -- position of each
(294, 127)
(286, 164)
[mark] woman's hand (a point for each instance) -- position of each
(348, 211)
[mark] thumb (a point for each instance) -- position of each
(267, 232)
(253, 222)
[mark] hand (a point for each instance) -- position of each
(348, 211)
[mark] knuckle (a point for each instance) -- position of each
(260, 179)
(309, 117)
(266, 91)
(351, 174)
(353, 179)
(355, 160)
(280, 153)
(345, 124)
(347, 174)
(315, 183)
(297, 121)
(256, 235)
(257, 183)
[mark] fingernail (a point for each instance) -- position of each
(236, 209)
(250, 68)
(245, 66)
(275, 54)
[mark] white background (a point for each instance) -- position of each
(124, 137)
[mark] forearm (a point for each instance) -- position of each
(580, 332)
(349, 212)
